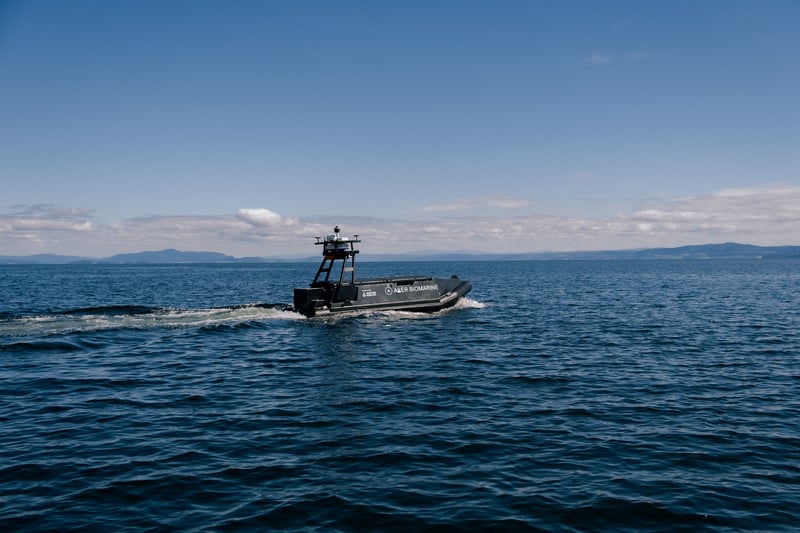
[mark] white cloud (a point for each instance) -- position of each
(259, 217)
(467, 204)
(760, 215)
(508, 203)
(669, 215)
(598, 58)
(47, 224)
(767, 215)
(44, 218)
(456, 206)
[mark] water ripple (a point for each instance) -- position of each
(563, 397)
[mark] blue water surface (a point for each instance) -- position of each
(560, 396)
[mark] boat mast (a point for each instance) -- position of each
(336, 248)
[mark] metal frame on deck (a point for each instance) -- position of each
(336, 248)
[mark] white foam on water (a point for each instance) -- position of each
(57, 323)
(468, 303)
(462, 303)
(166, 318)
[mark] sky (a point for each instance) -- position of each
(250, 127)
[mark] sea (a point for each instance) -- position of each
(558, 396)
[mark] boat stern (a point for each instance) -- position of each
(307, 300)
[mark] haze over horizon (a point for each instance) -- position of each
(250, 127)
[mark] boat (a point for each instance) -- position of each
(335, 288)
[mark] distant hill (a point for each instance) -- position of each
(39, 259)
(730, 250)
(171, 256)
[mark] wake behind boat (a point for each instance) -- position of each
(335, 288)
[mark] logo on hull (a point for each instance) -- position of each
(389, 290)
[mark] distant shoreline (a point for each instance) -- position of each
(172, 256)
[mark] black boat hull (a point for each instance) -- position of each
(414, 293)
